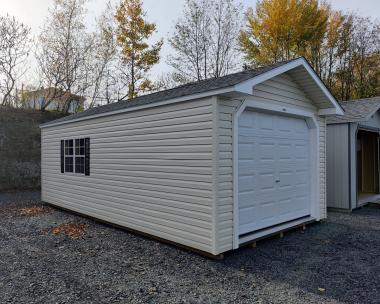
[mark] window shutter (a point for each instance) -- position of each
(62, 156)
(87, 156)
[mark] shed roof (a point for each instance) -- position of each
(356, 110)
(209, 87)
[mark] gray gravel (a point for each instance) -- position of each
(110, 265)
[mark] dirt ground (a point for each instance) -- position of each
(52, 256)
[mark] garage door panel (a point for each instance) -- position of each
(265, 151)
(266, 181)
(273, 170)
(246, 182)
(247, 151)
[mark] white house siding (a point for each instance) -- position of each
(151, 170)
(224, 198)
(279, 90)
(282, 90)
(322, 165)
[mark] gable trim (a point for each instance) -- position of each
(246, 86)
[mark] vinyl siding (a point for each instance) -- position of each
(151, 170)
(283, 90)
(338, 166)
(322, 165)
(224, 187)
(279, 90)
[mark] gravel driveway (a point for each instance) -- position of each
(336, 261)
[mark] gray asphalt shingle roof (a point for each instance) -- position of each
(356, 110)
(180, 91)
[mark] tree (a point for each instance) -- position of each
(205, 41)
(165, 81)
(104, 60)
(138, 57)
(283, 29)
(344, 50)
(64, 51)
(15, 44)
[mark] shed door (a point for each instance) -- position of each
(274, 170)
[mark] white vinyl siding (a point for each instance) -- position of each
(224, 193)
(282, 90)
(322, 165)
(151, 170)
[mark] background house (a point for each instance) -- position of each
(52, 99)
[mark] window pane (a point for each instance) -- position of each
(69, 147)
(68, 164)
(79, 146)
(79, 164)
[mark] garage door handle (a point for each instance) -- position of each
(277, 180)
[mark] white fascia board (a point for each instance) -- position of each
(246, 87)
(322, 86)
(150, 105)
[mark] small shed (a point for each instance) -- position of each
(209, 165)
(353, 155)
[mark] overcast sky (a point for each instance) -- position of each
(163, 12)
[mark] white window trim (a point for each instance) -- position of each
(312, 122)
(74, 155)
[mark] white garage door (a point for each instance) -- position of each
(274, 170)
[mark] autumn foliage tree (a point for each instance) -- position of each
(133, 32)
(343, 49)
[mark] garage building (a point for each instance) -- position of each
(353, 155)
(209, 165)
